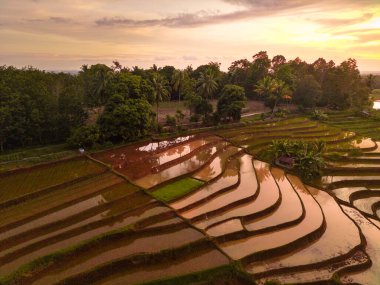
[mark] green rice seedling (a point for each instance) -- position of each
(177, 189)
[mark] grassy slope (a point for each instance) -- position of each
(177, 189)
(19, 184)
(365, 127)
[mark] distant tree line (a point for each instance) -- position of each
(372, 81)
(38, 107)
(321, 83)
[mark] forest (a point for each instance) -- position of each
(39, 107)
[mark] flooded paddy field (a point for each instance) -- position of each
(199, 209)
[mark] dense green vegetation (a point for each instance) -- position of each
(305, 157)
(177, 189)
(231, 102)
(38, 108)
(273, 90)
(125, 119)
(372, 81)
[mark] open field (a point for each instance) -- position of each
(375, 94)
(170, 108)
(199, 209)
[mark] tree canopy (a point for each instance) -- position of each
(38, 107)
(231, 102)
(125, 120)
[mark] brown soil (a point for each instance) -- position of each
(140, 159)
(197, 261)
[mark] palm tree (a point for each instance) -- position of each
(273, 89)
(265, 87)
(160, 90)
(178, 81)
(207, 84)
(154, 68)
(102, 75)
(281, 90)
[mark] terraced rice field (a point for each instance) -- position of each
(197, 210)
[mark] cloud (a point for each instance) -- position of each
(182, 20)
(248, 9)
(348, 28)
(276, 4)
(59, 20)
(330, 22)
(367, 36)
(163, 58)
(361, 36)
(56, 20)
(287, 4)
(251, 9)
(189, 58)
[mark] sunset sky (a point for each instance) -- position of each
(64, 34)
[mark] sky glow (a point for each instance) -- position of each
(64, 34)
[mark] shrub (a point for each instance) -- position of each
(85, 136)
(319, 115)
(281, 113)
(179, 116)
(231, 102)
(198, 105)
(171, 121)
(307, 156)
(195, 118)
(301, 109)
(263, 116)
(210, 119)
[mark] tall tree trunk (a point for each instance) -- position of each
(157, 112)
(274, 107)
